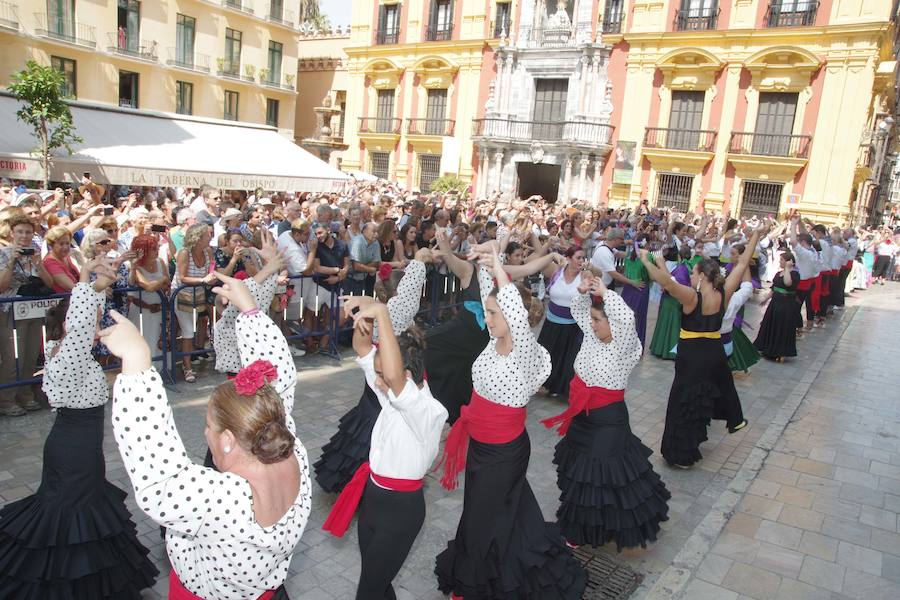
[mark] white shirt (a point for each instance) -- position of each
(806, 261)
(738, 299)
(296, 255)
(604, 260)
(825, 255)
(838, 257)
(853, 248)
(886, 249)
(711, 249)
(213, 540)
(513, 379)
(407, 433)
(561, 292)
(72, 378)
(606, 365)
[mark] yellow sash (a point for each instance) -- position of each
(692, 335)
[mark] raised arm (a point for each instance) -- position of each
(683, 293)
(75, 348)
(404, 306)
(463, 269)
(737, 273)
(581, 305)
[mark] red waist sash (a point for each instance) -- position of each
(484, 421)
(804, 285)
(849, 264)
(345, 507)
(177, 591)
(582, 397)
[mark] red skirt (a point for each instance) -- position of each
(177, 591)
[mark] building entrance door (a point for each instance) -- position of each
(538, 179)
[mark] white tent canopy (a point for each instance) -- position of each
(127, 147)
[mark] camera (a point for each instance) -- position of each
(27, 252)
(158, 228)
(108, 211)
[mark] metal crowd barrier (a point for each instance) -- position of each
(24, 308)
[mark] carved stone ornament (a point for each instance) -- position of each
(559, 19)
(537, 153)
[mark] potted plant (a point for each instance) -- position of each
(220, 62)
(289, 79)
(263, 75)
(249, 71)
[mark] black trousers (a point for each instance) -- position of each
(824, 299)
(389, 522)
(804, 298)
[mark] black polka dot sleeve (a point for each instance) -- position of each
(72, 378)
(609, 364)
(485, 283)
(531, 358)
(224, 337)
(403, 307)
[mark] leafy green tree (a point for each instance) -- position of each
(446, 183)
(40, 90)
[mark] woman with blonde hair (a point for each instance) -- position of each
(98, 243)
(194, 267)
(58, 261)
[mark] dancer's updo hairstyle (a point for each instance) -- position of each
(713, 273)
(257, 422)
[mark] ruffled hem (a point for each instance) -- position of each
(346, 451)
(544, 568)
(668, 327)
(50, 551)
(604, 499)
(689, 415)
(744, 355)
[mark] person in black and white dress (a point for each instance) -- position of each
(404, 443)
(349, 446)
(230, 534)
(74, 538)
(503, 547)
(610, 491)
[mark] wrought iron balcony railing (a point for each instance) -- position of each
(275, 82)
(390, 36)
(440, 33)
(578, 132)
(191, 62)
(286, 18)
(9, 15)
(239, 5)
(700, 140)
(122, 43)
(612, 21)
(437, 127)
(546, 37)
(799, 13)
(696, 20)
(64, 30)
(770, 144)
(379, 125)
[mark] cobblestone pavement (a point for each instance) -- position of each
(801, 504)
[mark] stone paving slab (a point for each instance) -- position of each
(777, 489)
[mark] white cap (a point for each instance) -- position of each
(266, 201)
(231, 213)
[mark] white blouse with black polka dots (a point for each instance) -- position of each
(513, 379)
(228, 359)
(402, 308)
(606, 365)
(72, 378)
(213, 540)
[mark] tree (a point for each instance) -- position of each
(446, 183)
(41, 91)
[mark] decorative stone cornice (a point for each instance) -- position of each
(782, 68)
(320, 63)
(435, 72)
(689, 69)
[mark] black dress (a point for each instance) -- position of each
(349, 446)
(451, 349)
(778, 331)
(703, 388)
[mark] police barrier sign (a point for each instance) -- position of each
(34, 309)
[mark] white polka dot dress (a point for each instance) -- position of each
(403, 307)
(606, 365)
(510, 380)
(72, 378)
(213, 541)
(225, 343)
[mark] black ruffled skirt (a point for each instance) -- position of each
(449, 354)
(778, 331)
(73, 539)
(703, 389)
(503, 547)
(349, 447)
(562, 341)
(610, 491)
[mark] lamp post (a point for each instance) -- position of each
(882, 140)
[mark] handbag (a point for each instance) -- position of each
(34, 288)
(191, 299)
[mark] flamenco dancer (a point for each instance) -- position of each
(807, 266)
(404, 442)
(777, 338)
(738, 348)
(231, 532)
(668, 320)
(610, 492)
(560, 334)
(74, 538)
(348, 448)
(703, 387)
(503, 547)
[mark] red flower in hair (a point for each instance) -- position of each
(254, 376)
(384, 271)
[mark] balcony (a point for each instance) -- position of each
(388, 37)
(582, 133)
(441, 33)
(696, 20)
(125, 45)
(380, 130)
(430, 127)
(229, 70)
(770, 144)
(9, 16)
(286, 18)
(274, 81)
(696, 140)
(501, 26)
(798, 14)
(198, 63)
(238, 5)
(69, 32)
(541, 37)
(612, 22)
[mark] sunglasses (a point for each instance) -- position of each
(106, 242)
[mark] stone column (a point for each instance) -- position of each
(583, 91)
(592, 91)
(582, 176)
(567, 180)
(507, 83)
(498, 166)
(484, 173)
(599, 163)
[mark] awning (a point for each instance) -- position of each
(128, 147)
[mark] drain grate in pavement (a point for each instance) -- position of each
(608, 579)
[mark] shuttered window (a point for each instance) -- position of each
(761, 198)
(685, 120)
(549, 108)
(774, 123)
(674, 190)
(384, 115)
(379, 164)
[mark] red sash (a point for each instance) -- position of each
(804, 285)
(824, 284)
(484, 421)
(849, 264)
(582, 398)
(345, 507)
(177, 591)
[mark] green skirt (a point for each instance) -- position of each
(744, 354)
(668, 327)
